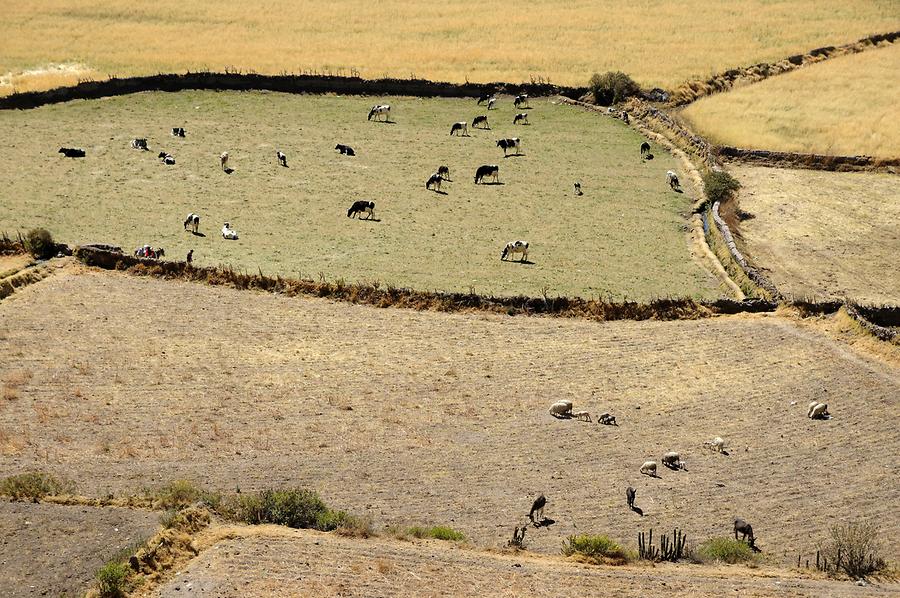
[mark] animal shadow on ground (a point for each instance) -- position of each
(439, 192)
(678, 190)
(545, 522)
(197, 234)
(648, 157)
(492, 183)
(385, 122)
(229, 170)
(638, 510)
(370, 219)
(530, 263)
(513, 155)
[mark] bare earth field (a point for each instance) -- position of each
(845, 106)
(658, 43)
(302, 563)
(53, 550)
(824, 234)
(625, 237)
(433, 418)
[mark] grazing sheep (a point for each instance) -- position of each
(168, 159)
(672, 179)
(582, 416)
(578, 189)
(192, 220)
(223, 160)
(745, 529)
(672, 460)
(434, 182)
(229, 233)
(537, 509)
(514, 247)
(139, 144)
(282, 159)
(649, 468)
(71, 152)
(359, 206)
(629, 496)
(521, 117)
(818, 410)
(460, 128)
(717, 444)
(444, 171)
(561, 409)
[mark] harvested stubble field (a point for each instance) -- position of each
(626, 237)
(659, 43)
(823, 234)
(845, 106)
(433, 418)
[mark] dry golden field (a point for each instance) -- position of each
(659, 43)
(848, 105)
(433, 418)
(824, 234)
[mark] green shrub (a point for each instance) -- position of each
(612, 87)
(294, 508)
(854, 549)
(726, 550)
(597, 548)
(183, 493)
(436, 532)
(719, 185)
(39, 243)
(111, 580)
(34, 486)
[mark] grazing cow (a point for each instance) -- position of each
(444, 171)
(521, 117)
(672, 179)
(487, 170)
(514, 247)
(192, 220)
(229, 233)
(361, 206)
(491, 103)
(645, 149)
(345, 149)
(480, 120)
(509, 144)
(434, 181)
(460, 126)
(629, 496)
(139, 144)
(177, 131)
(578, 189)
(223, 160)
(484, 98)
(521, 101)
(168, 159)
(71, 152)
(537, 509)
(282, 159)
(743, 528)
(382, 111)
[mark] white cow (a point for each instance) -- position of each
(229, 233)
(380, 110)
(514, 247)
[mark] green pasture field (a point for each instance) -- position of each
(624, 238)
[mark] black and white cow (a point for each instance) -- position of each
(461, 126)
(487, 170)
(645, 149)
(509, 145)
(361, 206)
(192, 220)
(480, 120)
(434, 182)
(672, 179)
(282, 159)
(167, 159)
(379, 110)
(139, 144)
(444, 172)
(491, 103)
(177, 131)
(71, 152)
(345, 149)
(521, 101)
(625, 117)
(578, 189)
(514, 247)
(521, 117)
(485, 97)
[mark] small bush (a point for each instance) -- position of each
(854, 549)
(726, 550)
(183, 493)
(612, 87)
(111, 580)
(598, 549)
(436, 532)
(719, 185)
(39, 243)
(34, 486)
(296, 508)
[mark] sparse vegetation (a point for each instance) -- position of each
(612, 87)
(183, 493)
(111, 580)
(436, 532)
(34, 486)
(598, 549)
(297, 508)
(725, 550)
(854, 548)
(40, 243)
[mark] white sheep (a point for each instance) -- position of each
(582, 416)
(561, 409)
(818, 410)
(223, 160)
(649, 468)
(673, 460)
(717, 444)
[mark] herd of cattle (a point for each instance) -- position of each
(486, 173)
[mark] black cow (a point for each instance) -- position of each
(645, 149)
(71, 152)
(487, 170)
(345, 149)
(480, 120)
(361, 206)
(177, 131)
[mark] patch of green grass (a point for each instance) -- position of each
(624, 238)
(183, 493)
(726, 550)
(34, 486)
(295, 507)
(436, 532)
(111, 579)
(596, 548)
